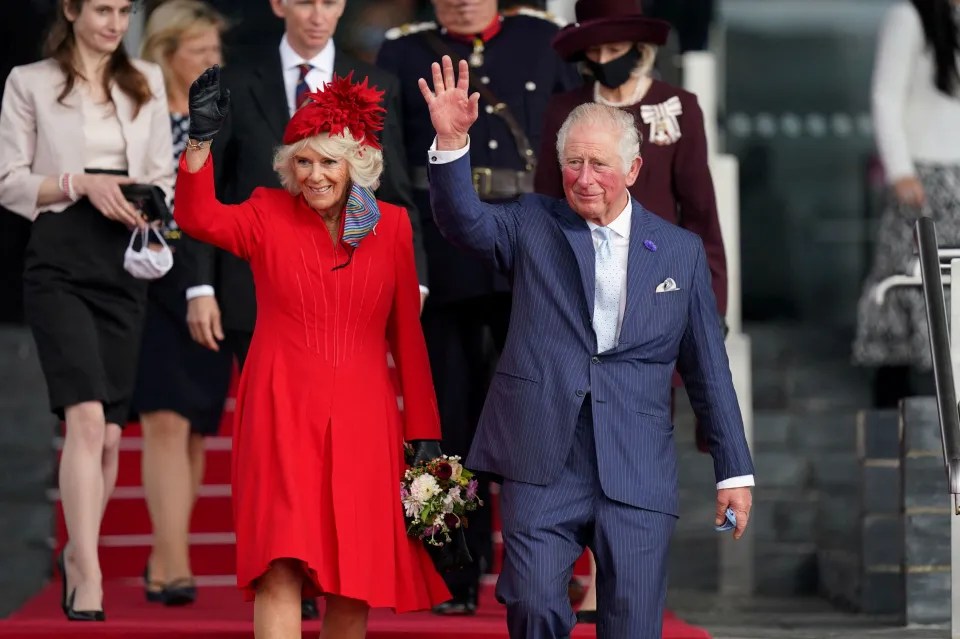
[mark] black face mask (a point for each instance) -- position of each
(613, 73)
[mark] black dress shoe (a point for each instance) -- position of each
(83, 615)
(152, 590)
(308, 609)
(179, 592)
(587, 616)
(462, 604)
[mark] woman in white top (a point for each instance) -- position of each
(916, 113)
(73, 128)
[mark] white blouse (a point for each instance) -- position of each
(105, 147)
(913, 120)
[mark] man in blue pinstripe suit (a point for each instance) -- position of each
(608, 299)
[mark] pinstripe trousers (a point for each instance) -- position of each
(545, 529)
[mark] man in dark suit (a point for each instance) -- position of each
(465, 319)
(608, 300)
(265, 93)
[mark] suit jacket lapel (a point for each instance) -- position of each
(640, 271)
(270, 94)
(578, 235)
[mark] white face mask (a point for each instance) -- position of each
(145, 263)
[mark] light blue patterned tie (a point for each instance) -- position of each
(606, 297)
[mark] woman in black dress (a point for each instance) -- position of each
(181, 385)
(73, 128)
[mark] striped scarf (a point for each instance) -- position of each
(360, 216)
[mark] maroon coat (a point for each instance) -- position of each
(675, 180)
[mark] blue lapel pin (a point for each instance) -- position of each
(650, 245)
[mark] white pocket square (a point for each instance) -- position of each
(667, 285)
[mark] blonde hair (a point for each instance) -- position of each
(167, 26)
(365, 164)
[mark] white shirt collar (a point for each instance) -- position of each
(620, 225)
(322, 62)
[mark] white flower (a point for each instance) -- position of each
(423, 488)
(411, 508)
(457, 470)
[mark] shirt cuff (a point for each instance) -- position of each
(736, 482)
(204, 290)
(445, 157)
(424, 290)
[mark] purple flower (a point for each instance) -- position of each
(404, 493)
(472, 490)
(650, 245)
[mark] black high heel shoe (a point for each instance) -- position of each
(153, 596)
(83, 615)
(62, 567)
(179, 592)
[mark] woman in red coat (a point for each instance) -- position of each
(318, 437)
(617, 46)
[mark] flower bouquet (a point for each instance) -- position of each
(436, 497)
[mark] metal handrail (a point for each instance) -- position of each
(936, 309)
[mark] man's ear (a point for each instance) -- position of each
(634, 170)
(279, 8)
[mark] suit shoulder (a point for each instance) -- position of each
(681, 237)
(270, 197)
(28, 76)
(534, 16)
(151, 71)
(393, 216)
(409, 29)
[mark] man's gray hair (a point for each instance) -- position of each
(623, 122)
(365, 163)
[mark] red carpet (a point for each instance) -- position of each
(220, 613)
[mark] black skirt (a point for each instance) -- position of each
(175, 373)
(86, 312)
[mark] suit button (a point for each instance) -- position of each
(580, 393)
(595, 360)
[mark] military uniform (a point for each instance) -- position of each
(512, 63)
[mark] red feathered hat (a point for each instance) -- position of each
(342, 104)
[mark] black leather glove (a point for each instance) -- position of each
(425, 450)
(208, 107)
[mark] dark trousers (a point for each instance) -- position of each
(545, 529)
(464, 340)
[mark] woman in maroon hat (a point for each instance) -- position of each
(616, 46)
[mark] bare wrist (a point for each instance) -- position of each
(451, 142)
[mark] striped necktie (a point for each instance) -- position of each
(302, 87)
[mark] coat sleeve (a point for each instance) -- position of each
(236, 228)
(199, 259)
(19, 186)
(899, 45)
(421, 420)
(548, 179)
(705, 370)
(489, 232)
(696, 198)
(395, 185)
